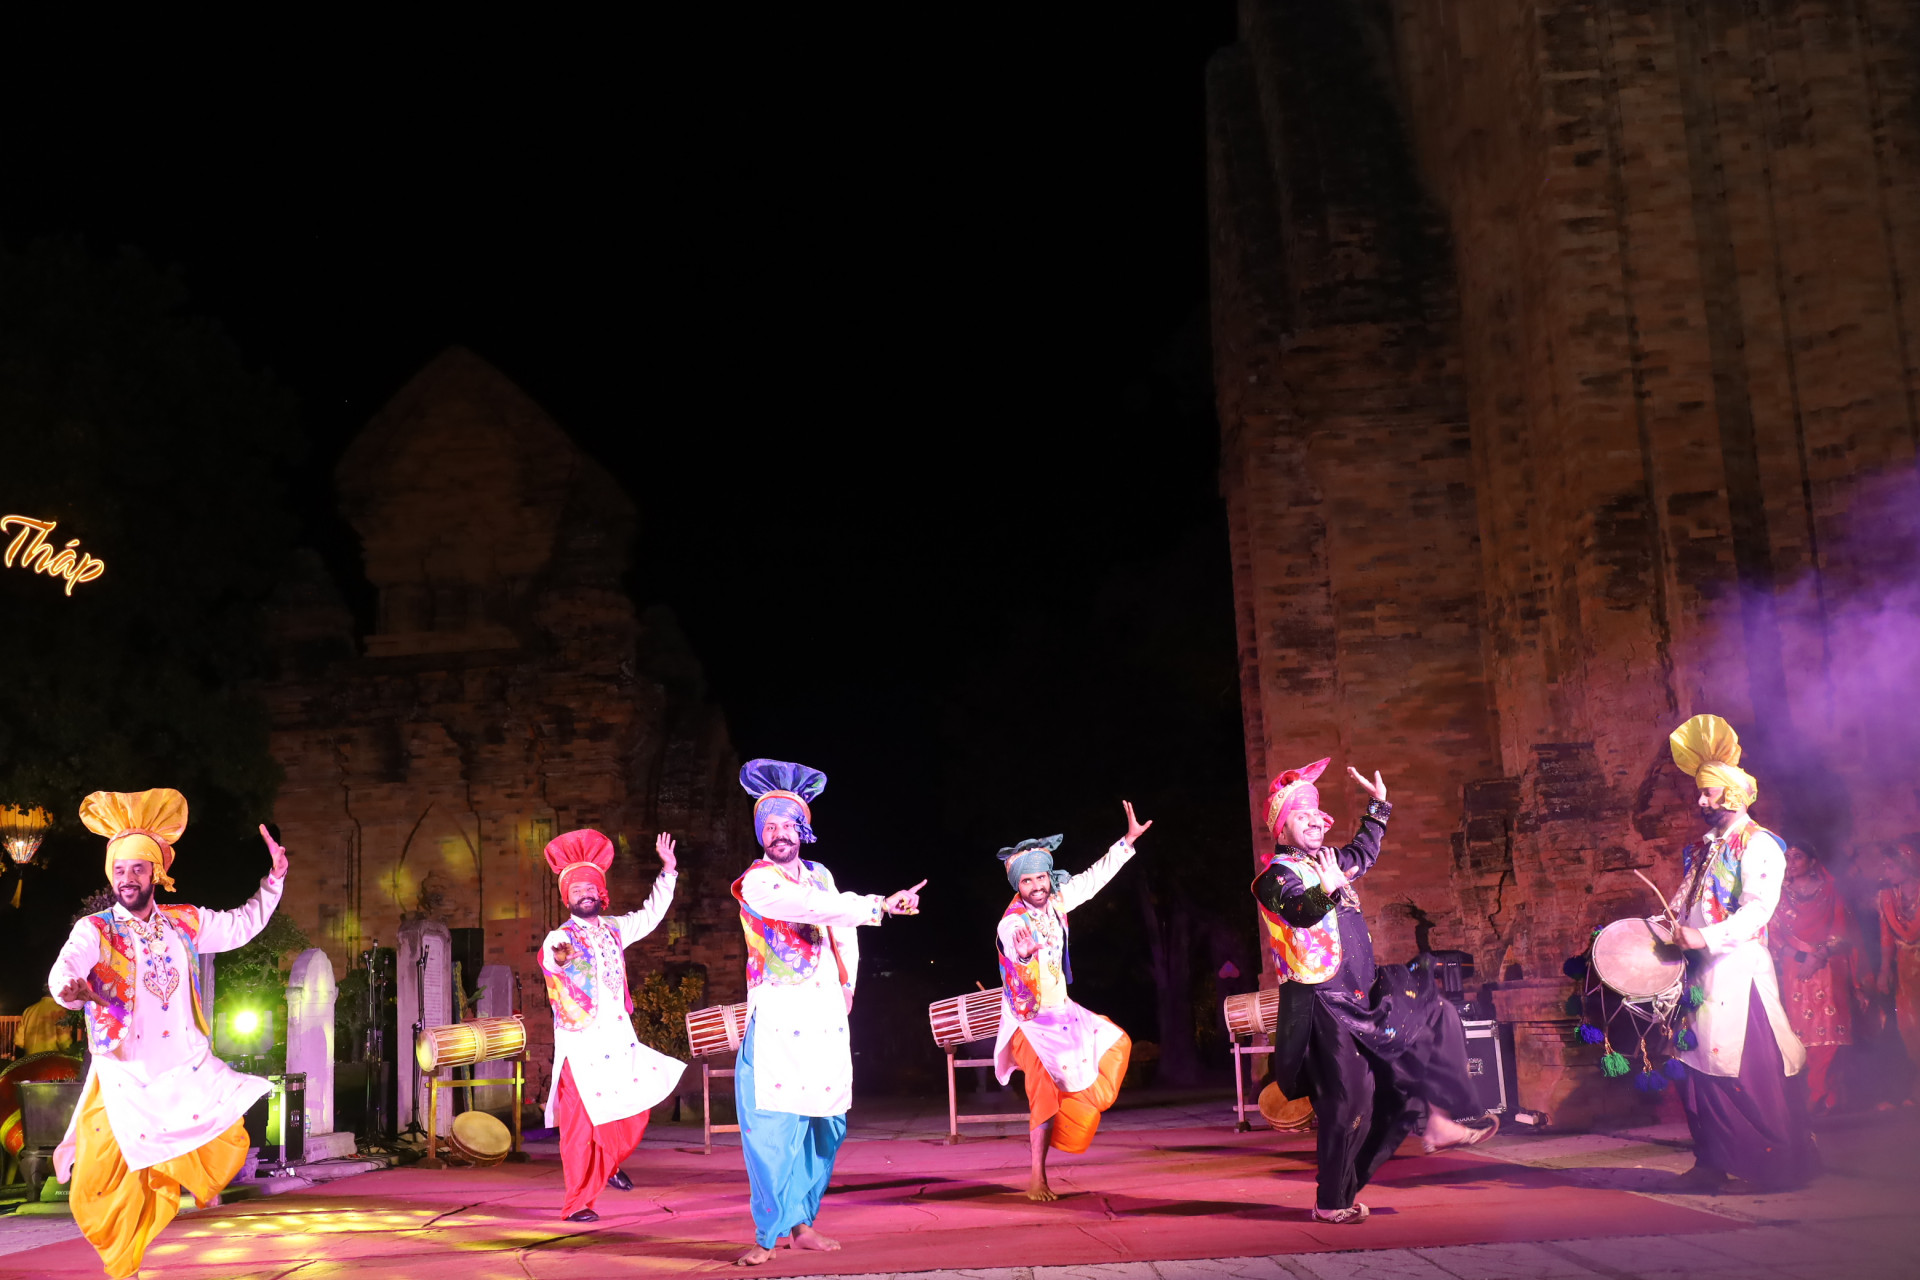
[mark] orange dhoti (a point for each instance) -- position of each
(1075, 1116)
(121, 1210)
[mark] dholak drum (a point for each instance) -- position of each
(1288, 1115)
(716, 1029)
(1632, 961)
(480, 1139)
(1251, 1012)
(457, 1044)
(963, 1019)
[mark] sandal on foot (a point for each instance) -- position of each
(1475, 1136)
(1353, 1213)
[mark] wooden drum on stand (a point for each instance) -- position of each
(457, 1044)
(1630, 958)
(716, 1029)
(962, 1019)
(1251, 1013)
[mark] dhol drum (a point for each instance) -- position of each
(1630, 958)
(1252, 1012)
(1287, 1115)
(34, 1067)
(716, 1029)
(456, 1044)
(479, 1139)
(963, 1019)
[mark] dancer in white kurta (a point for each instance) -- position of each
(158, 1111)
(793, 1080)
(605, 1082)
(1744, 1091)
(1073, 1059)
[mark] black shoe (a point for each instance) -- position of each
(620, 1181)
(585, 1215)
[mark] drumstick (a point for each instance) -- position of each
(1666, 905)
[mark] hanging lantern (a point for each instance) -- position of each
(21, 830)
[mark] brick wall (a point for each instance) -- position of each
(1657, 403)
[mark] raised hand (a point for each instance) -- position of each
(906, 902)
(1025, 945)
(663, 845)
(1135, 827)
(1377, 788)
(277, 852)
(562, 954)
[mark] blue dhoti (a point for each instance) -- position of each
(789, 1157)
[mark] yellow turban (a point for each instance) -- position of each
(138, 824)
(1707, 749)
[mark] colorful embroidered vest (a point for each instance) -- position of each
(1021, 978)
(780, 952)
(571, 991)
(112, 976)
(1310, 955)
(1719, 894)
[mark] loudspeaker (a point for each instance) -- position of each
(1487, 1065)
(277, 1123)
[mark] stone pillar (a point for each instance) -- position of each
(310, 997)
(495, 1001)
(423, 993)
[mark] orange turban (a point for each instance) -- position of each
(138, 824)
(580, 853)
(1707, 749)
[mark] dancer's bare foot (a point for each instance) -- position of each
(754, 1257)
(808, 1238)
(1039, 1190)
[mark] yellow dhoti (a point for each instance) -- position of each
(1076, 1115)
(121, 1210)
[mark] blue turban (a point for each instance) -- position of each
(780, 788)
(1030, 857)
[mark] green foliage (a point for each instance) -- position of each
(660, 1011)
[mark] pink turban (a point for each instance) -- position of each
(1292, 792)
(580, 853)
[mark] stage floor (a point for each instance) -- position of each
(898, 1204)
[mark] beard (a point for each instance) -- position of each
(1036, 898)
(783, 850)
(588, 908)
(133, 897)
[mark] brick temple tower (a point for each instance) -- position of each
(1568, 356)
(508, 691)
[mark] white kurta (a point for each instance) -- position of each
(802, 1060)
(615, 1074)
(165, 1092)
(1069, 1040)
(1737, 962)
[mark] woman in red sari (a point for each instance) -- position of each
(1812, 939)
(1900, 946)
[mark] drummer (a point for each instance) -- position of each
(1375, 1048)
(605, 1082)
(1744, 1091)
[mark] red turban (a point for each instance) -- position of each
(580, 853)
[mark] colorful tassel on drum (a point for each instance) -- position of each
(1614, 1064)
(1592, 1034)
(1696, 996)
(1649, 1082)
(1674, 1069)
(1574, 967)
(1686, 1041)
(1575, 1006)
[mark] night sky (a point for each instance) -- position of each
(894, 330)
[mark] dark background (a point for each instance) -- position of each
(894, 330)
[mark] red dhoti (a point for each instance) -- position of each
(589, 1152)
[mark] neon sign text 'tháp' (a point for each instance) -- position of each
(38, 555)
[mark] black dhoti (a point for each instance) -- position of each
(1373, 1066)
(1753, 1125)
